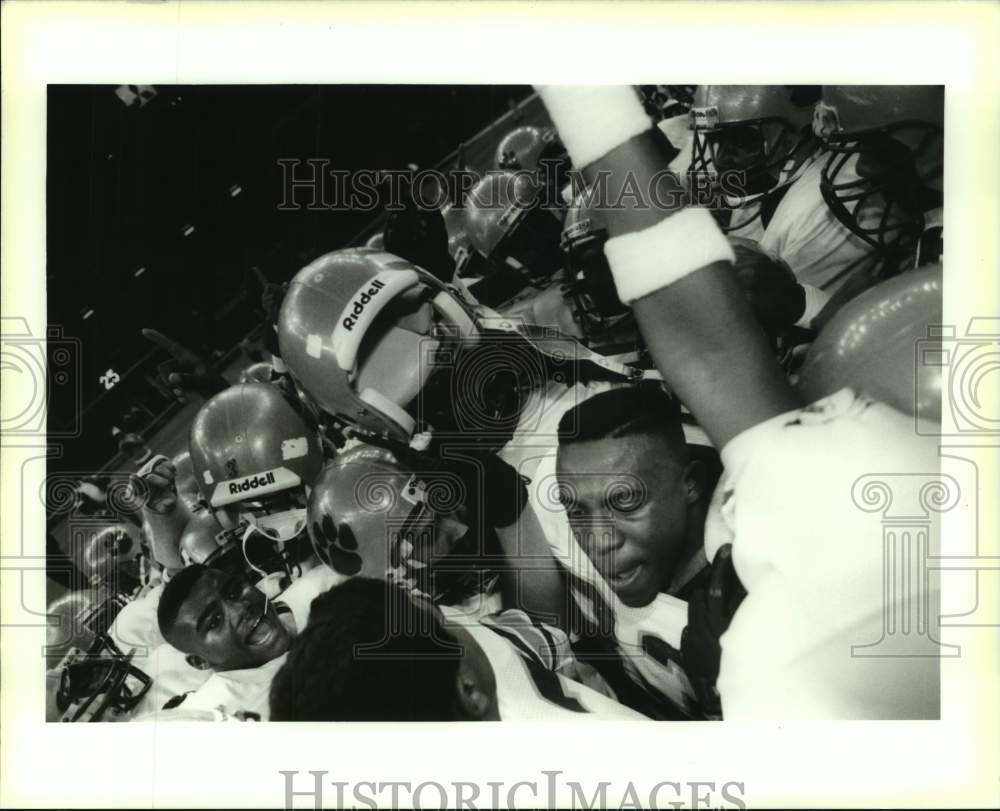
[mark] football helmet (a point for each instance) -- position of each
(588, 274)
(886, 158)
(96, 681)
(99, 683)
(388, 352)
(359, 330)
(509, 227)
(371, 516)
(521, 148)
(254, 457)
(744, 135)
(539, 151)
(112, 558)
(750, 128)
(869, 346)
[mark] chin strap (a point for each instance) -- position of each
(264, 575)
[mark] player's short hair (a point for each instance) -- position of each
(175, 592)
(624, 411)
(368, 653)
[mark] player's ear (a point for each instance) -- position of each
(197, 662)
(471, 698)
(695, 475)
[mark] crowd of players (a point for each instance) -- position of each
(552, 447)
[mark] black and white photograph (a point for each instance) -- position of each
(459, 401)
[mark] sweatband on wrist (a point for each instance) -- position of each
(594, 119)
(816, 300)
(645, 261)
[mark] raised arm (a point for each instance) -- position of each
(671, 264)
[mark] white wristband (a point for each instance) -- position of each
(645, 261)
(593, 120)
(816, 300)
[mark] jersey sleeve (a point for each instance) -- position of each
(810, 549)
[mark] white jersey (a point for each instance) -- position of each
(805, 234)
(236, 692)
(537, 431)
(171, 674)
(529, 679)
(817, 503)
(136, 625)
(244, 693)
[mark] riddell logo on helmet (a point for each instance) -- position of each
(250, 483)
(360, 303)
(704, 118)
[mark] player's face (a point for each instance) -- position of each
(627, 504)
(229, 624)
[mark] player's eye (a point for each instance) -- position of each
(214, 621)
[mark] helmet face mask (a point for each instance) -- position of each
(251, 555)
(280, 516)
(100, 684)
(97, 681)
(744, 138)
(757, 148)
(477, 396)
(588, 275)
(885, 163)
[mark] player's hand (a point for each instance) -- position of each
(158, 476)
(775, 295)
(188, 371)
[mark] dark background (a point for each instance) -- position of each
(124, 182)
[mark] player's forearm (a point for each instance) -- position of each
(730, 381)
(532, 581)
(164, 532)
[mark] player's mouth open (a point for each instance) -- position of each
(620, 578)
(260, 631)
